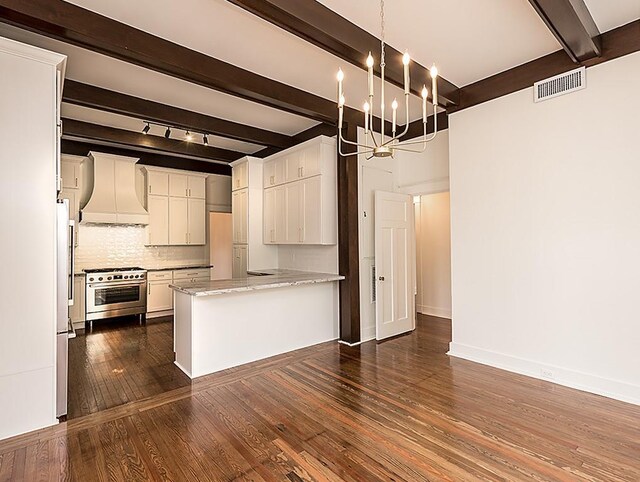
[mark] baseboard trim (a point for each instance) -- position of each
(615, 389)
(434, 311)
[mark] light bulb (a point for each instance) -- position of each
(406, 59)
(394, 104)
(341, 103)
(205, 140)
(366, 107)
(340, 75)
(425, 92)
(433, 71)
(188, 137)
(369, 60)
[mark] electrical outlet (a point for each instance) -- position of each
(546, 373)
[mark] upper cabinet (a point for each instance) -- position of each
(177, 207)
(240, 176)
(70, 173)
(300, 194)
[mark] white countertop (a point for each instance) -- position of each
(277, 278)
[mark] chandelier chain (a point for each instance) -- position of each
(382, 62)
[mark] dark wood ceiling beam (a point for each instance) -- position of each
(82, 148)
(616, 43)
(321, 26)
(315, 131)
(78, 26)
(572, 24)
(78, 130)
(86, 95)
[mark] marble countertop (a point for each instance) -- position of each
(277, 278)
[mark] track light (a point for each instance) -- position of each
(167, 133)
(188, 137)
(145, 129)
(205, 141)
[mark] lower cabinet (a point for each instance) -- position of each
(159, 296)
(239, 264)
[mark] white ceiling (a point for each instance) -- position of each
(609, 14)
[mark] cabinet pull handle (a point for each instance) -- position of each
(189, 192)
(149, 288)
(76, 182)
(186, 238)
(149, 188)
(186, 192)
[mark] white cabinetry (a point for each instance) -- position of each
(70, 169)
(77, 310)
(70, 172)
(249, 251)
(160, 296)
(177, 207)
(301, 207)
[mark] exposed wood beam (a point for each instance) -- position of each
(416, 129)
(74, 129)
(86, 95)
(572, 24)
(321, 26)
(82, 148)
(348, 249)
(78, 26)
(615, 43)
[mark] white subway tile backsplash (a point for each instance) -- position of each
(116, 246)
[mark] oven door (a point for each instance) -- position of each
(121, 296)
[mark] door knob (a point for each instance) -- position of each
(381, 278)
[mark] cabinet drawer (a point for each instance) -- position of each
(159, 276)
(191, 273)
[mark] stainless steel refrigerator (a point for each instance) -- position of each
(65, 232)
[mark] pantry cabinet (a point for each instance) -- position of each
(240, 176)
(303, 209)
(177, 207)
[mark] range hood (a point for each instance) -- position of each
(113, 199)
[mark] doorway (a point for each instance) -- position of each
(433, 254)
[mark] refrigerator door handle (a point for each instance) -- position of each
(71, 333)
(72, 269)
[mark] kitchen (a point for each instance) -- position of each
(141, 231)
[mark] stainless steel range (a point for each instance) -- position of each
(115, 292)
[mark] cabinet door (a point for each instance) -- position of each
(235, 216)
(158, 228)
(240, 176)
(310, 162)
(178, 185)
(293, 197)
(274, 172)
(159, 296)
(312, 210)
(268, 173)
(244, 216)
(76, 311)
(280, 215)
(196, 221)
(239, 261)
(243, 261)
(269, 216)
(70, 172)
(158, 183)
(178, 220)
(239, 212)
(197, 187)
(292, 167)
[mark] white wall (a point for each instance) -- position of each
(426, 172)
(433, 252)
(545, 208)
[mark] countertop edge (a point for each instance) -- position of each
(240, 289)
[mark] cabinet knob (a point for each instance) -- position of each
(380, 278)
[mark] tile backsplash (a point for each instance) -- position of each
(117, 246)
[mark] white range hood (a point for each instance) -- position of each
(114, 199)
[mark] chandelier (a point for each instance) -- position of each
(379, 145)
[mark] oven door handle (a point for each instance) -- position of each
(114, 285)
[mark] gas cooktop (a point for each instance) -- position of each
(113, 270)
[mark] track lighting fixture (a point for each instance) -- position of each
(205, 141)
(167, 133)
(146, 128)
(188, 134)
(188, 137)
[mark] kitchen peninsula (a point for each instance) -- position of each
(225, 323)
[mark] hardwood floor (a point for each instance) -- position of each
(120, 361)
(399, 410)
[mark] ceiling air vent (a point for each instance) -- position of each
(560, 85)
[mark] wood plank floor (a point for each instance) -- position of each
(121, 361)
(400, 410)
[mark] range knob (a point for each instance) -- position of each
(109, 277)
(141, 276)
(100, 279)
(90, 279)
(126, 276)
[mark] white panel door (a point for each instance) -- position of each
(312, 210)
(197, 187)
(196, 222)
(395, 264)
(269, 218)
(158, 228)
(293, 199)
(178, 185)
(178, 220)
(310, 161)
(70, 172)
(280, 221)
(159, 296)
(158, 183)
